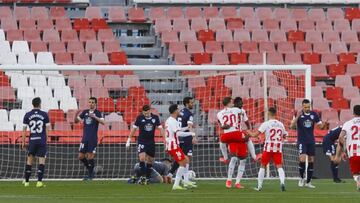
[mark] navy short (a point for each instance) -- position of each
(329, 147)
(148, 148)
(37, 149)
(186, 145)
(306, 148)
(88, 146)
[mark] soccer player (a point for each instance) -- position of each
(38, 122)
(305, 122)
(329, 148)
(186, 139)
(159, 173)
(146, 122)
(172, 127)
(274, 133)
(92, 117)
(349, 140)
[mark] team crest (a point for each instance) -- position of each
(312, 116)
(153, 120)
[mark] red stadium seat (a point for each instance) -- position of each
(206, 35)
(303, 47)
(352, 13)
(58, 13)
(75, 47)
(117, 14)
(334, 92)
(63, 24)
(63, 59)
(98, 24)
(336, 69)
(106, 105)
(156, 13)
(27, 24)
(87, 34)
(81, 24)
(182, 59)
(111, 46)
(270, 24)
(211, 12)
(347, 58)
(296, 36)
(213, 47)
(340, 103)
(202, 58)
(15, 35)
(118, 58)
(311, 58)
(193, 13)
(56, 115)
(235, 24)
(57, 47)
(81, 59)
(238, 58)
(136, 14)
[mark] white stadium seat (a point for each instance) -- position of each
(5, 47)
(69, 103)
(25, 92)
(20, 47)
(2, 35)
(19, 80)
(3, 115)
(26, 58)
(56, 81)
(26, 104)
(6, 126)
(49, 103)
(62, 93)
(44, 58)
(43, 92)
(37, 81)
(17, 115)
(8, 58)
(19, 126)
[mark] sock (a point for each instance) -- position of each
(186, 173)
(142, 168)
(174, 167)
(334, 170)
(241, 169)
(261, 176)
(281, 175)
(27, 172)
(85, 162)
(224, 151)
(302, 169)
(231, 167)
(310, 171)
(251, 149)
(40, 172)
(91, 166)
(148, 170)
(179, 174)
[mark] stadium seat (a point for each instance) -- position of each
(317, 92)
(311, 58)
(338, 47)
(162, 25)
(8, 58)
(26, 58)
(100, 58)
(43, 92)
(320, 104)
(193, 13)
(329, 58)
(220, 59)
(277, 92)
(174, 13)
(136, 14)
(335, 13)
(81, 24)
(68, 103)
(324, 25)
(87, 35)
(8, 24)
(117, 14)
(206, 35)
(62, 93)
(62, 126)
(314, 36)
(341, 25)
(63, 58)
(249, 47)
(93, 12)
(51, 36)
(56, 81)
(238, 58)
(202, 58)
(343, 81)
(6, 126)
(98, 24)
(213, 47)
(260, 36)
(353, 69)
(27, 24)
(21, 12)
(347, 58)
(131, 81)
(277, 36)
(56, 115)
(285, 47)
(81, 59)
(340, 103)
(93, 46)
(224, 36)
(106, 105)
(217, 24)
(112, 82)
(188, 36)
(303, 47)
(275, 59)
(93, 81)
(321, 47)
(177, 47)
(331, 36)
(251, 80)
(288, 24)
(44, 58)
(334, 92)
(117, 126)
(180, 24)
(231, 47)
(4, 115)
(15, 35)
(57, 13)
(31, 35)
(37, 80)
(330, 115)
(199, 24)
(345, 115)
(56, 47)
(63, 24)
(105, 35)
(39, 13)
(319, 71)
(25, 92)
(5, 12)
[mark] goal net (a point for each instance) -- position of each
(122, 91)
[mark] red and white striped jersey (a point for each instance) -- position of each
(274, 133)
(172, 127)
(231, 117)
(352, 136)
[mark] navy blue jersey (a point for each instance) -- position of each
(147, 127)
(305, 127)
(90, 124)
(37, 120)
(333, 134)
(185, 118)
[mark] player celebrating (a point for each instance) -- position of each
(92, 117)
(38, 122)
(146, 122)
(349, 139)
(274, 133)
(172, 127)
(329, 148)
(305, 121)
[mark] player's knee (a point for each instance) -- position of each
(81, 156)
(302, 158)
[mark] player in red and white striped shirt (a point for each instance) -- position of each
(349, 140)
(172, 126)
(274, 133)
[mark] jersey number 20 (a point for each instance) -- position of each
(36, 126)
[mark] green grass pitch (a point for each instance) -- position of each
(207, 191)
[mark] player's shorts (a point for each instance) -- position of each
(231, 137)
(306, 148)
(37, 149)
(177, 154)
(88, 146)
(186, 145)
(329, 148)
(355, 165)
(148, 148)
(268, 156)
(238, 149)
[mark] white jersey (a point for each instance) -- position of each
(274, 132)
(231, 117)
(172, 127)
(352, 136)
(243, 117)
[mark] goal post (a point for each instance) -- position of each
(121, 91)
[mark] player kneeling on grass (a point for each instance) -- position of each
(38, 122)
(274, 133)
(159, 172)
(172, 147)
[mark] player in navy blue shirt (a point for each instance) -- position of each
(38, 123)
(305, 122)
(329, 148)
(91, 117)
(147, 123)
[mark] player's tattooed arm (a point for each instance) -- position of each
(340, 147)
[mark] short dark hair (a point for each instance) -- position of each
(93, 98)
(272, 110)
(306, 101)
(357, 110)
(237, 100)
(146, 107)
(173, 108)
(226, 101)
(186, 100)
(36, 102)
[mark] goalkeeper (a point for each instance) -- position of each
(159, 173)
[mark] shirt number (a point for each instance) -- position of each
(229, 120)
(355, 134)
(36, 126)
(276, 135)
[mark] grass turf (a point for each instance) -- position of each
(208, 191)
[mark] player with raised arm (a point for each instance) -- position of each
(147, 123)
(349, 140)
(39, 123)
(274, 133)
(305, 121)
(92, 117)
(172, 127)
(329, 148)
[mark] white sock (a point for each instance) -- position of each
(186, 173)
(223, 149)
(261, 175)
(241, 169)
(232, 165)
(356, 178)
(251, 149)
(281, 175)
(179, 174)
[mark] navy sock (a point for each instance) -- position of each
(91, 167)
(40, 172)
(148, 170)
(174, 167)
(334, 169)
(85, 162)
(310, 171)
(302, 169)
(27, 172)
